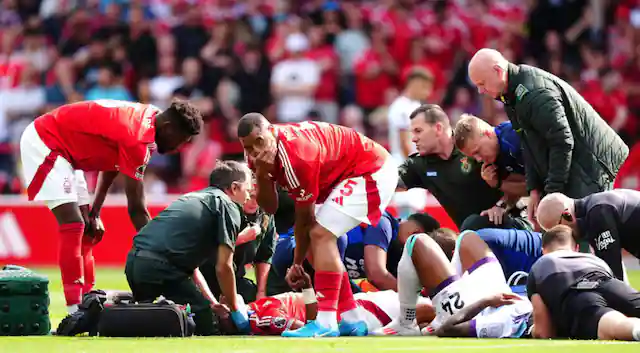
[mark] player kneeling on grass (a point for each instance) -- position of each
(353, 177)
(289, 311)
(167, 252)
(576, 295)
(107, 136)
(424, 264)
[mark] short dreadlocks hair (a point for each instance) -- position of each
(425, 221)
(185, 116)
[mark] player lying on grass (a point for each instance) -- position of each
(424, 264)
(500, 313)
(370, 252)
(352, 176)
(284, 312)
(107, 136)
(576, 295)
(200, 225)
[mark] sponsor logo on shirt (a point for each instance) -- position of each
(432, 174)
(604, 240)
(140, 171)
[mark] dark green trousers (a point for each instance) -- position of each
(149, 279)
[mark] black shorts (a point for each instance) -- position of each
(584, 308)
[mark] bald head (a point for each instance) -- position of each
(551, 209)
(488, 71)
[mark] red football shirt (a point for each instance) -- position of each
(103, 135)
(314, 157)
(273, 315)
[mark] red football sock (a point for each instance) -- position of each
(327, 290)
(346, 301)
(88, 268)
(70, 260)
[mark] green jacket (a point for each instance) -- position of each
(567, 146)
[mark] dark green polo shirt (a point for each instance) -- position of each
(259, 250)
(189, 231)
(455, 182)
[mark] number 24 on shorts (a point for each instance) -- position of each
(453, 302)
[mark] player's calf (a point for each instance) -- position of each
(616, 326)
(408, 288)
(71, 229)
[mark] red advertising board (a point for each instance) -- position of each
(28, 230)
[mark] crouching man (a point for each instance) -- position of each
(167, 252)
(576, 295)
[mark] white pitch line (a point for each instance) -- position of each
(539, 344)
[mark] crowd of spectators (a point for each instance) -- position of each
(337, 61)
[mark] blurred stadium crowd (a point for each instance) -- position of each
(337, 61)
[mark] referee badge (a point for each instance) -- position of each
(465, 165)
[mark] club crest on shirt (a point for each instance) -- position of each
(465, 165)
(66, 185)
(279, 322)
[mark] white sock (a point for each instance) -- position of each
(455, 260)
(408, 288)
(72, 308)
(327, 319)
(635, 333)
(353, 315)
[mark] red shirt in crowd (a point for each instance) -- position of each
(607, 103)
(370, 91)
(629, 174)
(328, 88)
(103, 135)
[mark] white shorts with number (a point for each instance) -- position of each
(62, 184)
(452, 299)
(508, 321)
(357, 199)
(486, 280)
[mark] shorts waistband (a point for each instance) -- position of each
(443, 285)
(481, 262)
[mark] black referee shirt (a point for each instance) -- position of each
(455, 182)
(610, 221)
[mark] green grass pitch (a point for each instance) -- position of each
(114, 279)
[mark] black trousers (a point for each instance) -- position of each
(583, 308)
(149, 279)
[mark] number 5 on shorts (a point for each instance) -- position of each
(347, 189)
(454, 301)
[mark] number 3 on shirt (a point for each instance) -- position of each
(347, 189)
(452, 302)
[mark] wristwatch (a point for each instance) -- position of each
(501, 204)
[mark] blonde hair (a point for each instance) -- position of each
(468, 127)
